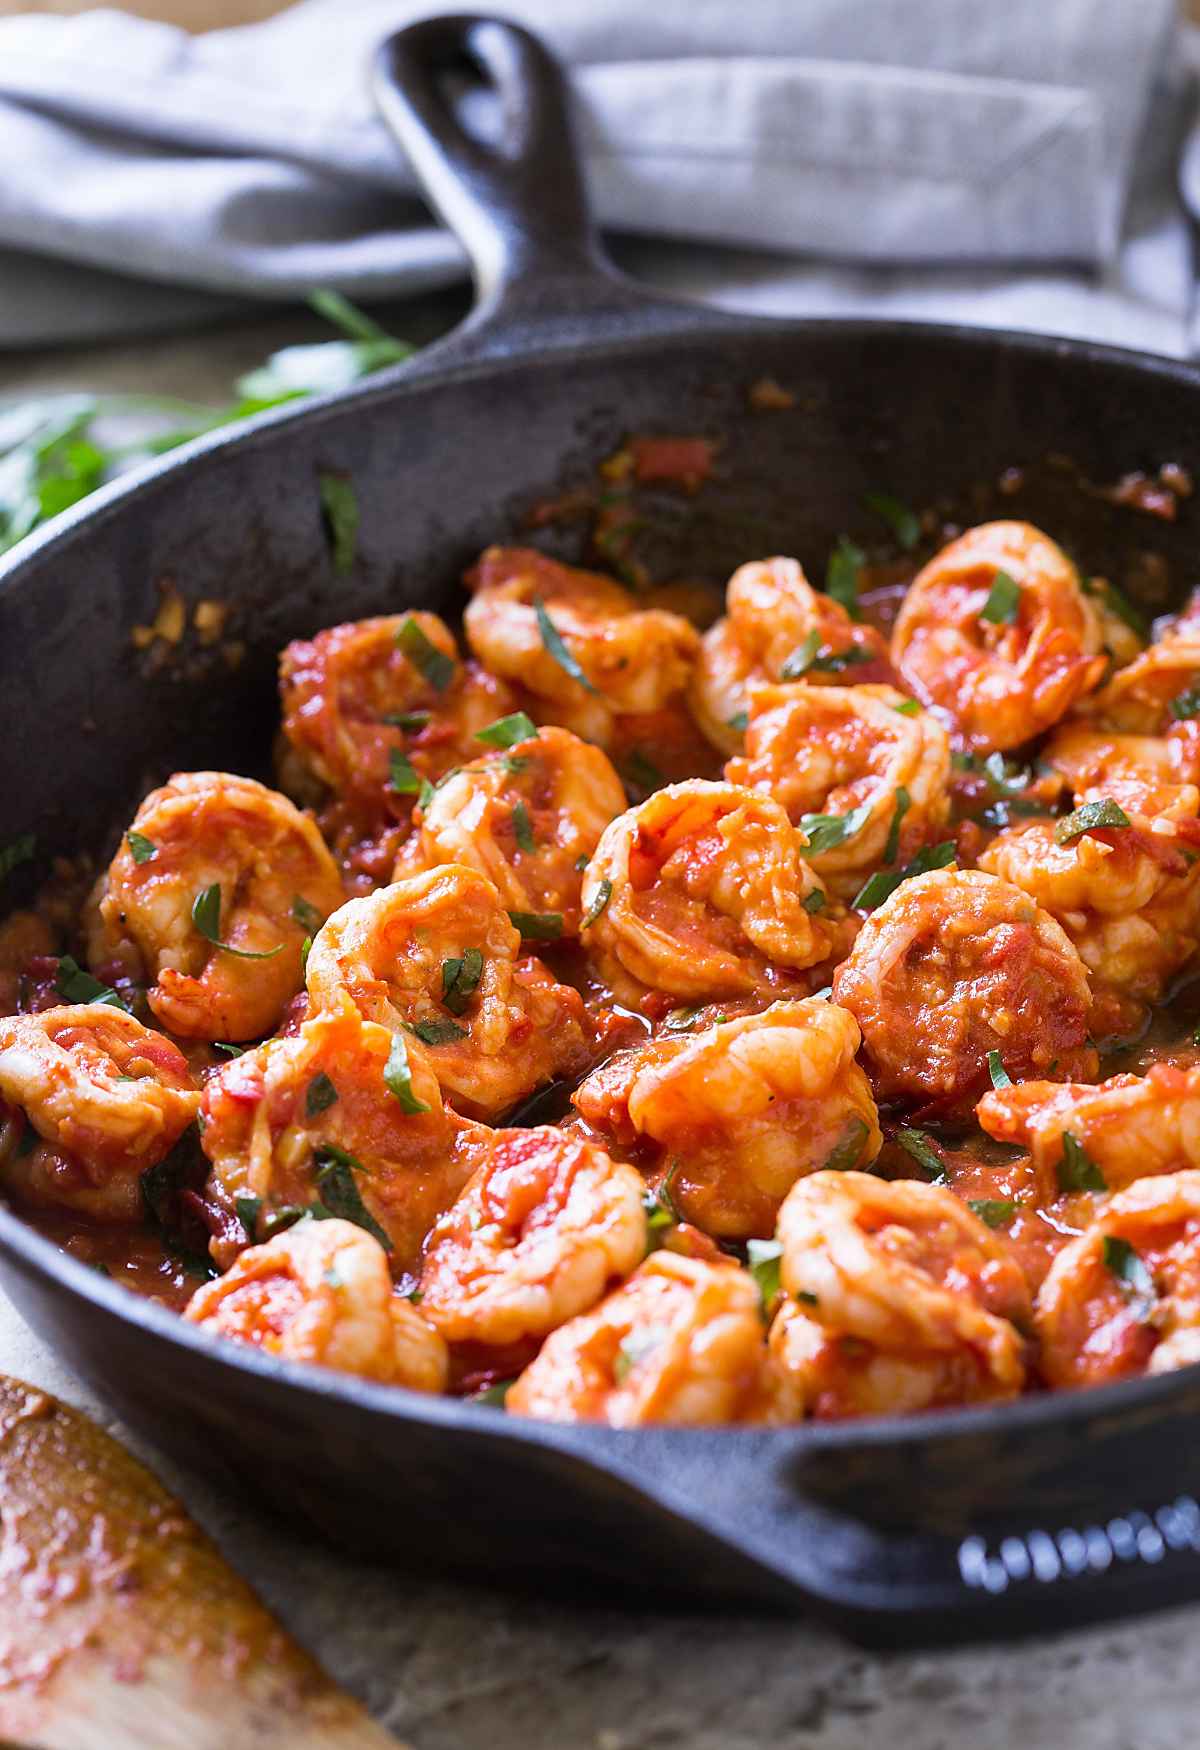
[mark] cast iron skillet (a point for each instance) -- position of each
(1047, 1511)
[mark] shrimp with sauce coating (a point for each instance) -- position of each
(997, 633)
(358, 696)
(526, 818)
(576, 641)
(739, 1111)
(321, 1293)
(543, 1226)
(316, 1118)
(776, 627)
(437, 954)
(703, 891)
(274, 879)
(957, 964)
(835, 750)
(1124, 1298)
(918, 1303)
(680, 1342)
(1143, 774)
(1128, 896)
(89, 1098)
(1129, 1127)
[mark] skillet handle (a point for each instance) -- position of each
(518, 205)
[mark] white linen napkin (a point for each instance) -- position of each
(168, 173)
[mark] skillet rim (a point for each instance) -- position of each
(461, 357)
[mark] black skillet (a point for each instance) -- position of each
(982, 1521)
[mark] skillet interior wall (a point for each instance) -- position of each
(440, 469)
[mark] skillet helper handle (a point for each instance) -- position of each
(518, 205)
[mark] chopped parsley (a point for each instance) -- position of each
(904, 523)
(76, 985)
(812, 654)
(537, 926)
(598, 905)
(993, 1211)
(1003, 601)
(494, 1395)
(141, 849)
(423, 653)
(553, 641)
(740, 721)
(1137, 1284)
(247, 1213)
(1105, 812)
(920, 1145)
(825, 832)
(884, 883)
(848, 1152)
(460, 979)
(814, 901)
(903, 804)
(410, 721)
(402, 775)
(841, 575)
(681, 1020)
(1077, 1171)
(306, 914)
(339, 512)
(321, 1095)
(763, 1260)
(508, 731)
(437, 1032)
(340, 1196)
(397, 1077)
(659, 1204)
(1000, 1076)
(1185, 704)
(206, 915)
(908, 708)
(522, 828)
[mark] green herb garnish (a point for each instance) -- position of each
(228, 1050)
(339, 513)
(460, 979)
(305, 951)
(537, 926)
(1185, 704)
(553, 641)
(814, 901)
(884, 883)
(1137, 1284)
(740, 721)
(321, 1095)
(1105, 812)
(1077, 1171)
(1000, 1076)
(402, 776)
(904, 523)
(340, 1197)
(763, 1259)
(495, 1394)
(847, 1153)
(634, 1348)
(423, 653)
(397, 1077)
(903, 804)
(437, 1032)
(992, 1211)
(640, 772)
(306, 914)
(1003, 601)
(825, 832)
(508, 731)
(21, 850)
(409, 721)
(596, 909)
(841, 575)
(920, 1145)
(908, 708)
(247, 1213)
(522, 828)
(141, 849)
(76, 985)
(206, 915)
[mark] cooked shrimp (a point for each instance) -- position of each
(275, 880)
(321, 1293)
(703, 891)
(681, 1341)
(776, 627)
(740, 1111)
(1124, 1298)
(997, 633)
(357, 697)
(1144, 774)
(1127, 896)
(1151, 693)
(1130, 1127)
(956, 965)
(316, 1118)
(527, 819)
(541, 624)
(437, 954)
(541, 1229)
(834, 750)
(106, 1096)
(923, 1301)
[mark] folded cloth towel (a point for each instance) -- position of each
(170, 170)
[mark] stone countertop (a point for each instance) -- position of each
(456, 1668)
